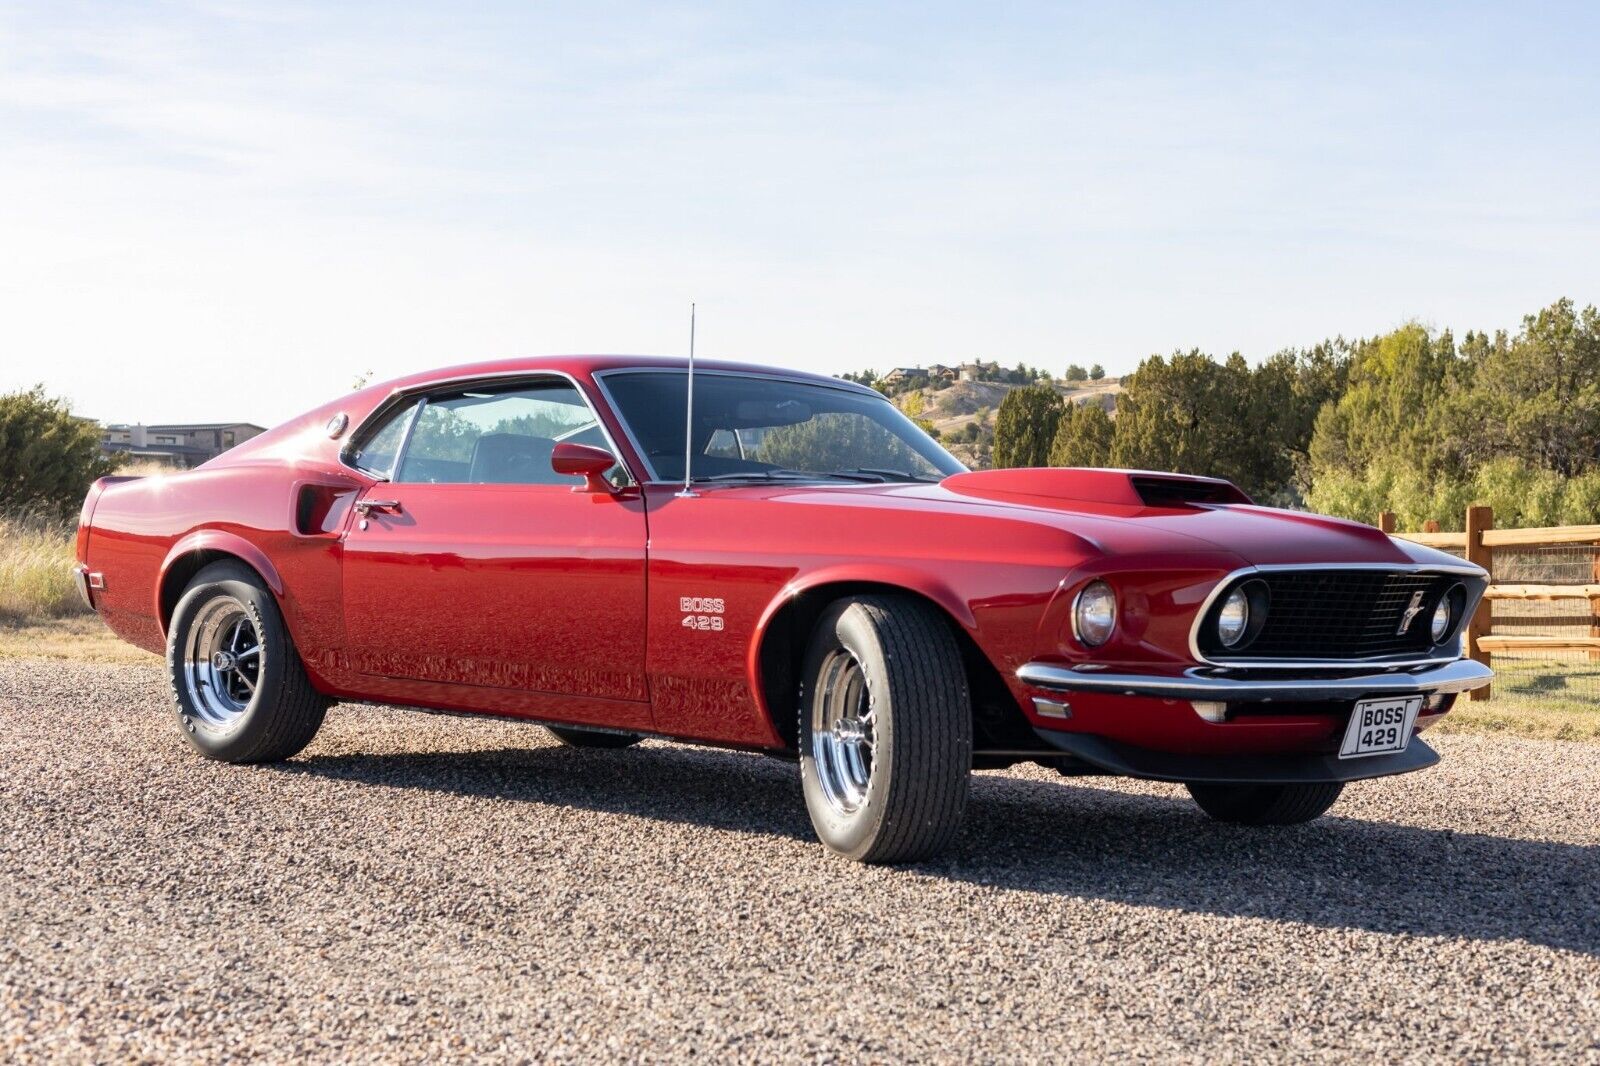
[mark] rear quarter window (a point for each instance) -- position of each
(377, 450)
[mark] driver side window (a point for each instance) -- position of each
(496, 435)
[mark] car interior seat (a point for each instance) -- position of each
(513, 459)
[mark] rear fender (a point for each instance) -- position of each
(86, 515)
(216, 540)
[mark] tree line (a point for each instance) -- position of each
(1411, 421)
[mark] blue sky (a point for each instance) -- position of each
(229, 210)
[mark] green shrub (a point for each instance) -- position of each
(48, 458)
(1521, 496)
(1083, 437)
(1348, 495)
(1580, 500)
(1025, 426)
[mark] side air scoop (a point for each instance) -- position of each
(1132, 488)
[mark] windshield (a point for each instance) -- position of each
(747, 426)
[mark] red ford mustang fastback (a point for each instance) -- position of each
(516, 539)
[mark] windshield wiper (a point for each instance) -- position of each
(792, 475)
(894, 475)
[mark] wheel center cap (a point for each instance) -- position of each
(222, 660)
(849, 731)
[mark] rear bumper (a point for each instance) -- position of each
(1128, 761)
(80, 578)
(1223, 686)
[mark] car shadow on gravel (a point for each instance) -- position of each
(1073, 840)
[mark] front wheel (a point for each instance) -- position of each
(1266, 804)
(241, 692)
(885, 730)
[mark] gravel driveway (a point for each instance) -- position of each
(417, 885)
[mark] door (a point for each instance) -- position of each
(475, 564)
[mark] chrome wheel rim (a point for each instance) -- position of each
(222, 661)
(843, 732)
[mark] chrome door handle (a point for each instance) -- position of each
(366, 507)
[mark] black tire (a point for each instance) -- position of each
(1266, 804)
(589, 738)
(282, 714)
(915, 692)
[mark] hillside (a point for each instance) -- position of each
(955, 408)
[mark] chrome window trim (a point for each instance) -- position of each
(1229, 580)
(450, 384)
(405, 438)
(794, 379)
(349, 447)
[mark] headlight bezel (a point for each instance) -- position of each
(1083, 633)
(1453, 603)
(1258, 599)
(1242, 599)
(1439, 627)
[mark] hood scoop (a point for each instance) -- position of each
(1128, 488)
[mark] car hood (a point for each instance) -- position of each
(1134, 511)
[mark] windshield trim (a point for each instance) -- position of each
(599, 377)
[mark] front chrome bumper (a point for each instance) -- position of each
(1225, 686)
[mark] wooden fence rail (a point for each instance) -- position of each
(1477, 543)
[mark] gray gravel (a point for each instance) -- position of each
(416, 886)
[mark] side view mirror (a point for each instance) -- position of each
(580, 460)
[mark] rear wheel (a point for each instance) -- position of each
(241, 692)
(1266, 804)
(589, 738)
(885, 730)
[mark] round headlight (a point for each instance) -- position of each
(1234, 618)
(1094, 615)
(1441, 619)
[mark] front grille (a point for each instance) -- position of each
(1336, 614)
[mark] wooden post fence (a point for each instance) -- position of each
(1478, 544)
(1594, 606)
(1480, 519)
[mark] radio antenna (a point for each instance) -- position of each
(688, 419)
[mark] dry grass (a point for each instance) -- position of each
(36, 557)
(1512, 718)
(1557, 699)
(81, 637)
(144, 468)
(36, 571)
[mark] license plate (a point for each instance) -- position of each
(1380, 727)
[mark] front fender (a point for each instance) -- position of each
(911, 579)
(904, 578)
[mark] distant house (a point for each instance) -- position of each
(903, 373)
(971, 372)
(940, 372)
(178, 445)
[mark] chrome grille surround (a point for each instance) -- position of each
(1370, 599)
